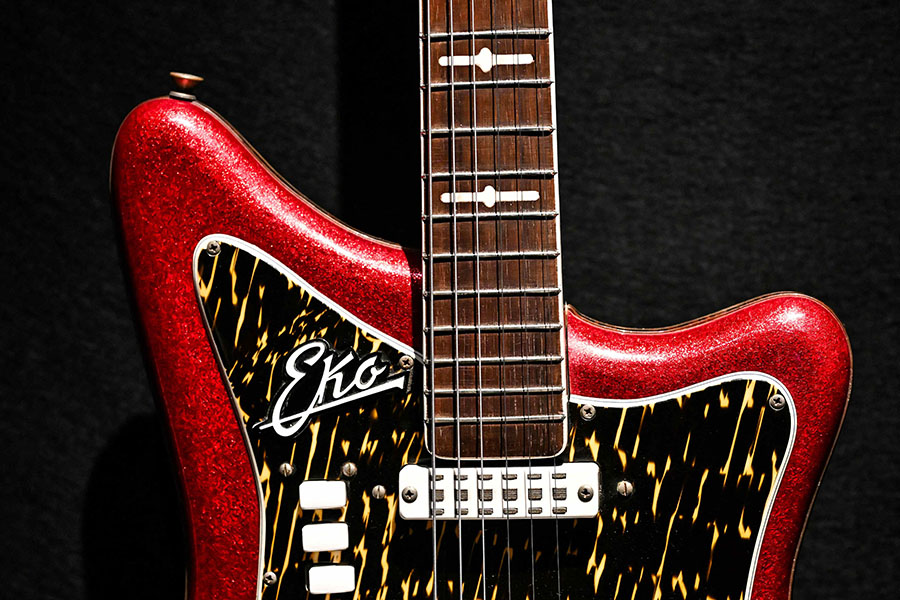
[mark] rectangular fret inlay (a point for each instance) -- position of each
(489, 196)
(486, 60)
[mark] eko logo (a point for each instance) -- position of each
(364, 377)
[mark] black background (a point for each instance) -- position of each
(710, 151)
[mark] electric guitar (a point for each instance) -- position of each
(352, 419)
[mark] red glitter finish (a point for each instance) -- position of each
(180, 173)
(791, 337)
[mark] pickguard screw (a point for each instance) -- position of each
(585, 493)
(286, 469)
(409, 494)
(588, 412)
(777, 402)
(348, 469)
(378, 492)
(406, 362)
(625, 488)
(213, 248)
(270, 578)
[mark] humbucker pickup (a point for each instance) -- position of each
(563, 491)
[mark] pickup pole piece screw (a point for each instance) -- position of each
(286, 469)
(777, 402)
(625, 488)
(585, 493)
(406, 362)
(588, 412)
(409, 494)
(270, 578)
(348, 469)
(213, 248)
(378, 492)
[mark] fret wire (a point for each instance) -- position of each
(492, 33)
(498, 130)
(537, 291)
(492, 360)
(545, 390)
(497, 255)
(498, 327)
(537, 82)
(534, 214)
(511, 173)
(500, 420)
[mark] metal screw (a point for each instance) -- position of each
(270, 578)
(378, 492)
(406, 362)
(585, 493)
(286, 469)
(348, 469)
(625, 488)
(588, 412)
(409, 494)
(777, 402)
(213, 248)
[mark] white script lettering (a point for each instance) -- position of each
(331, 390)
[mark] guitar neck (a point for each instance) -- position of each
(493, 299)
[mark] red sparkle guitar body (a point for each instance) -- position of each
(179, 173)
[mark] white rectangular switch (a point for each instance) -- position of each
(315, 495)
(325, 537)
(331, 579)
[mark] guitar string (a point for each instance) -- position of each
(454, 286)
(476, 208)
(522, 265)
(536, 342)
(498, 237)
(545, 309)
(428, 201)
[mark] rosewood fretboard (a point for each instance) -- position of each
(493, 304)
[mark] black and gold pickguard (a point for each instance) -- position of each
(704, 464)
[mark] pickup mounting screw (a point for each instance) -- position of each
(588, 412)
(378, 492)
(213, 248)
(406, 362)
(270, 578)
(286, 469)
(777, 402)
(409, 494)
(348, 469)
(585, 493)
(625, 488)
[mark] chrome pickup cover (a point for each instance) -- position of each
(568, 490)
